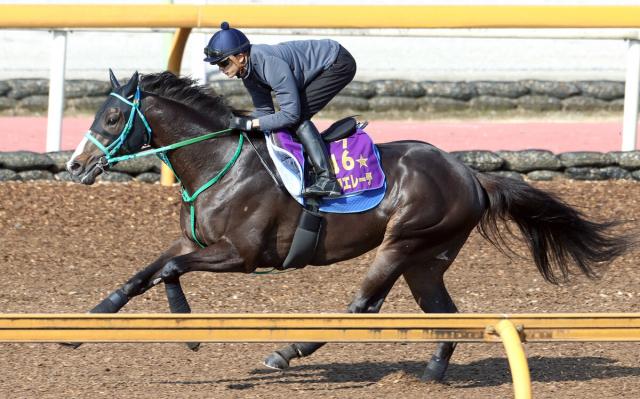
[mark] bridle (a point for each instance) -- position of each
(111, 150)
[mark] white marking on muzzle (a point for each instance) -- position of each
(79, 149)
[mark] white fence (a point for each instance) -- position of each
(397, 18)
(198, 68)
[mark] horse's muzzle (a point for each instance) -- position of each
(85, 175)
(74, 167)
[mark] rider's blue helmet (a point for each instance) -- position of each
(225, 42)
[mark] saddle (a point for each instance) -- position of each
(340, 129)
(358, 170)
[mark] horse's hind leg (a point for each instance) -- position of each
(280, 359)
(429, 291)
(381, 276)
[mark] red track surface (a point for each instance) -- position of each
(28, 133)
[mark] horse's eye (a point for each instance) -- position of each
(112, 120)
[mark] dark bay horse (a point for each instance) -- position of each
(245, 221)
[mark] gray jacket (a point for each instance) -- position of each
(286, 69)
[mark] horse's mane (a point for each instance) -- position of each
(186, 91)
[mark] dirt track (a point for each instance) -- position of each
(64, 247)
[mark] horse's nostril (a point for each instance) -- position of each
(74, 167)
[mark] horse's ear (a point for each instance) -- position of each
(134, 79)
(114, 82)
(132, 85)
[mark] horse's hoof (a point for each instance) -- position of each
(72, 345)
(434, 372)
(431, 377)
(194, 346)
(276, 361)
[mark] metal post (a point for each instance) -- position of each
(56, 90)
(198, 67)
(631, 93)
(517, 359)
(175, 61)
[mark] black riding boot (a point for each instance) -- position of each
(326, 184)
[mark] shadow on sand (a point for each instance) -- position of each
(483, 373)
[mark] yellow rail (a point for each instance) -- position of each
(317, 16)
(175, 61)
(509, 329)
(517, 358)
(313, 327)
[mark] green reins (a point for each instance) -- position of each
(190, 199)
(113, 148)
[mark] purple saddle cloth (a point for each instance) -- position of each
(355, 161)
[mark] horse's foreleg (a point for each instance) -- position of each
(138, 284)
(178, 304)
(369, 299)
(141, 281)
(219, 257)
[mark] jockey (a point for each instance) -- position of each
(304, 75)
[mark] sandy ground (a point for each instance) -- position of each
(64, 247)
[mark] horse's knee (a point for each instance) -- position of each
(170, 271)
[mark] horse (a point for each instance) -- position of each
(246, 222)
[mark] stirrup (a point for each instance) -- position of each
(323, 187)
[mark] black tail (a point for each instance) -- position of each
(555, 232)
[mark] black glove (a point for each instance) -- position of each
(243, 123)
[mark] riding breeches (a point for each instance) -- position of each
(328, 84)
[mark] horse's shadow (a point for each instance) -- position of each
(483, 373)
(495, 371)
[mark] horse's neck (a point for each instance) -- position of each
(197, 163)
